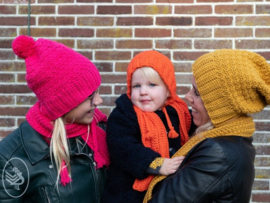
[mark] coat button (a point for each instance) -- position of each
(50, 166)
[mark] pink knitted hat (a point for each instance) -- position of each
(60, 77)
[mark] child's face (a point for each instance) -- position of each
(84, 112)
(147, 95)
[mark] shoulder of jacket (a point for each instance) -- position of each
(10, 144)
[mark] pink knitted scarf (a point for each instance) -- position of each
(96, 139)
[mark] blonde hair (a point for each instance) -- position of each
(59, 147)
(152, 75)
(207, 126)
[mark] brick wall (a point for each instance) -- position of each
(111, 32)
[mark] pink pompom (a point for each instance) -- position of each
(23, 46)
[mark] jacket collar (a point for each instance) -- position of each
(33, 143)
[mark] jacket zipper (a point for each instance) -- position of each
(95, 174)
(46, 195)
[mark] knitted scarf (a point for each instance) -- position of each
(96, 139)
(242, 126)
(154, 135)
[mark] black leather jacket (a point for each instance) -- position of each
(216, 170)
(28, 175)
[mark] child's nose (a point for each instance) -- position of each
(143, 90)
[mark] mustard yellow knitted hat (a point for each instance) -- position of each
(231, 83)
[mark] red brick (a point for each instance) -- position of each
(252, 44)
(262, 126)
(68, 42)
(6, 55)
(233, 32)
(7, 10)
(260, 137)
(260, 185)
(201, 9)
(234, 9)
(76, 10)
(261, 197)
(134, 44)
(213, 44)
(265, 54)
(7, 77)
(262, 161)
(241, 1)
(174, 1)
(187, 56)
(213, 21)
(182, 90)
(112, 55)
(21, 78)
(263, 9)
(175, 21)
(134, 21)
(26, 100)
(112, 79)
(193, 33)
(105, 89)
(95, 21)
(20, 120)
(104, 67)
(37, 10)
(17, 1)
(8, 32)
(109, 101)
(152, 9)
(173, 44)
(120, 89)
(95, 44)
(262, 32)
(183, 79)
(262, 150)
(114, 10)
(262, 173)
(114, 33)
(262, 115)
(133, 1)
(70, 32)
(152, 33)
(11, 89)
(6, 99)
(13, 111)
(94, 1)
(16, 21)
(121, 67)
(39, 32)
(106, 111)
(166, 53)
(5, 43)
(3, 134)
(7, 122)
(12, 66)
(213, 1)
(182, 67)
(55, 1)
(252, 20)
(87, 54)
(51, 21)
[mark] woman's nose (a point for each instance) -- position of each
(188, 96)
(98, 100)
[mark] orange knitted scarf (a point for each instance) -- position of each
(154, 134)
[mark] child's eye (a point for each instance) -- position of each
(135, 86)
(152, 85)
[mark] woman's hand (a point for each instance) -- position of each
(169, 166)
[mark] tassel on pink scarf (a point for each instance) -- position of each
(65, 178)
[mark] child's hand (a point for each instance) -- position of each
(169, 166)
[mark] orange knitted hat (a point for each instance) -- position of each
(153, 131)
